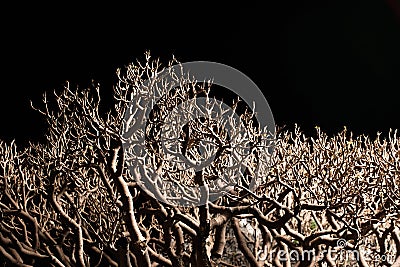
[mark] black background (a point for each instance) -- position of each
(330, 64)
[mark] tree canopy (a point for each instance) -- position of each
(88, 197)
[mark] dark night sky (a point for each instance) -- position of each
(326, 64)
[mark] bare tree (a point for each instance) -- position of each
(102, 191)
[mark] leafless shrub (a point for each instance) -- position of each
(74, 200)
